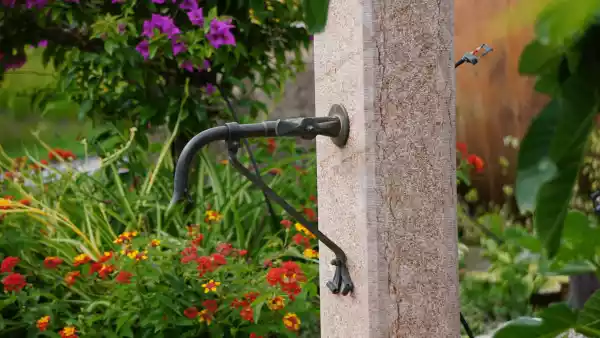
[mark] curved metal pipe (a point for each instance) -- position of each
(182, 169)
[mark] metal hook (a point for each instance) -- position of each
(341, 282)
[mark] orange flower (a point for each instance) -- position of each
(81, 259)
(211, 286)
(68, 332)
(106, 257)
(42, 323)
(52, 262)
(291, 322)
(25, 201)
(14, 282)
(205, 316)
(476, 162)
(125, 237)
(276, 303)
(124, 277)
(212, 216)
(9, 263)
(154, 243)
(310, 253)
(190, 312)
(247, 313)
(71, 277)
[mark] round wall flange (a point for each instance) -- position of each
(340, 112)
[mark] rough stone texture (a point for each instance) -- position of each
(389, 197)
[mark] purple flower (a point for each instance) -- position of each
(144, 49)
(220, 33)
(121, 28)
(43, 43)
(118, 1)
(206, 64)
(196, 17)
(164, 24)
(210, 89)
(160, 2)
(39, 4)
(178, 47)
(189, 5)
(187, 65)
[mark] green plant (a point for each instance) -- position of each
(137, 63)
(78, 214)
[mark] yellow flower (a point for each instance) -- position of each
(138, 256)
(310, 253)
(212, 216)
(291, 321)
(301, 228)
(132, 254)
(255, 21)
(211, 286)
(276, 303)
(5, 203)
(68, 331)
(81, 259)
(155, 242)
(125, 237)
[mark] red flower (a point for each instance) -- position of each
(267, 263)
(310, 214)
(198, 239)
(25, 201)
(275, 171)
(271, 145)
(52, 262)
(242, 252)
(191, 312)
(9, 263)
(71, 277)
(251, 296)
(95, 267)
(224, 248)
(254, 335)
(286, 223)
(103, 270)
(247, 313)
(205, 265)
(287, 277)
(218, 260)
(42, 323)
(462, 148)
(189, 254)
(211, 305)
(313, 198)
(14, 282)
(236, 303)
(124, 277)
(476, 162)
(304, 241)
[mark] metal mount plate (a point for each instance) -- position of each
(340, 112)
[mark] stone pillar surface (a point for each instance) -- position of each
(389, 197)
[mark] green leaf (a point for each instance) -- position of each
(110, 46)
(554, 320)
(536, 57)
(588, 322)
(561, 21)
(84, 109)
(315, 13)
(534, 166)
(573, 128)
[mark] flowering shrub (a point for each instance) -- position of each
(143, 284)
(98, 255)
(152, 62)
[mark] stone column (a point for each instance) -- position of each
(389, 197)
